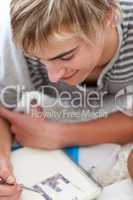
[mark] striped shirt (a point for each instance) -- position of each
(119, 72)
(116, 75)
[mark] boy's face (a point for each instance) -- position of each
(71, 60)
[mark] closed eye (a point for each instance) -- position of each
(66, 58)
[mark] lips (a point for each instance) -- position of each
(70, 76)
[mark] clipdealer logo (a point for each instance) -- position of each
(124, 100)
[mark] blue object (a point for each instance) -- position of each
(16, 146)
(73, 153)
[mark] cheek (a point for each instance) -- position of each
(95, 56)
(84, 61)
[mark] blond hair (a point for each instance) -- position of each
(36, 21)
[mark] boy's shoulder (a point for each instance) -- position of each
(120, 73)
(127, 19)
(127, 10)
(126, 3)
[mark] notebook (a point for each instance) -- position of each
(52, 175)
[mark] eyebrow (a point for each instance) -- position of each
(62, 54)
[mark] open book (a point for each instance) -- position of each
(51, 175)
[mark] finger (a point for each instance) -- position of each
(11, 116)
(9, 190)
(6, 174)
(18, 136)
(14, 129)
(17, 131)
(6, 178)
(20, 140)
(24, 141)
(14, 117)
(11, 180)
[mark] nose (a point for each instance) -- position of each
(55, 73)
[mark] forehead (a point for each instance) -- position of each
(57, 46)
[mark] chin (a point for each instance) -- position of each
(76, 80)
(70, 83)
(73, 82)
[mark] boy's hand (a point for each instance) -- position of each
(9, 190)
(34, 131)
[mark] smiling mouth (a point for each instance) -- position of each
(70, 76)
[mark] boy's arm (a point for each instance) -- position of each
(9, 190)
(116, 128)
(5, 138)
(40, 133)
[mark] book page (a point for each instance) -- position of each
(53, 175)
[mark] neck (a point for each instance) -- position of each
(110, 46)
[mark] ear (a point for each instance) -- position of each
(109, 18)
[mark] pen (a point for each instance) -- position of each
(30, 189)
(2, 181)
